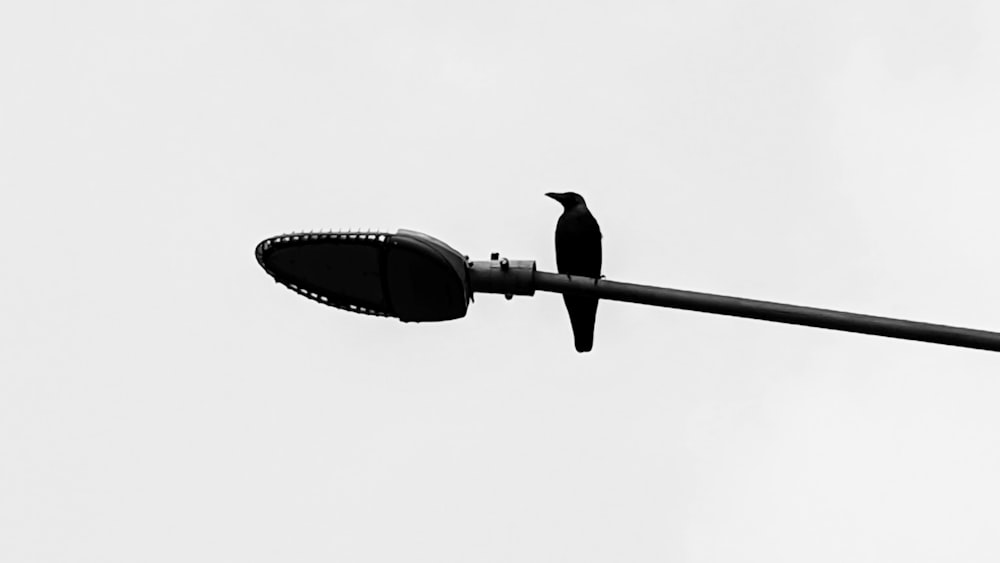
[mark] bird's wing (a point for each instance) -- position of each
(578, 245)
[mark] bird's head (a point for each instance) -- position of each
(569, 200)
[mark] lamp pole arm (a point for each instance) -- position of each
(521, 278)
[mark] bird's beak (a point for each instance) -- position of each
(555, 196)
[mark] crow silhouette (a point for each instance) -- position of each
(578, 252)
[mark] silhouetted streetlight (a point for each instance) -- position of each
(417, 278)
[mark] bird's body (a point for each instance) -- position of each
(578, 252)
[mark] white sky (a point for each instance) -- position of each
(161, 399)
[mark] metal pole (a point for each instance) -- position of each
(768, 311)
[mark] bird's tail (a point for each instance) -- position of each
(582, 315)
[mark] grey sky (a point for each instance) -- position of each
(162, 400)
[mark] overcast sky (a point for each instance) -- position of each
(162, 400)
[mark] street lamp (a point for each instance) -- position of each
(418, 278)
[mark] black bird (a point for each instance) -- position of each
(578, 252)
